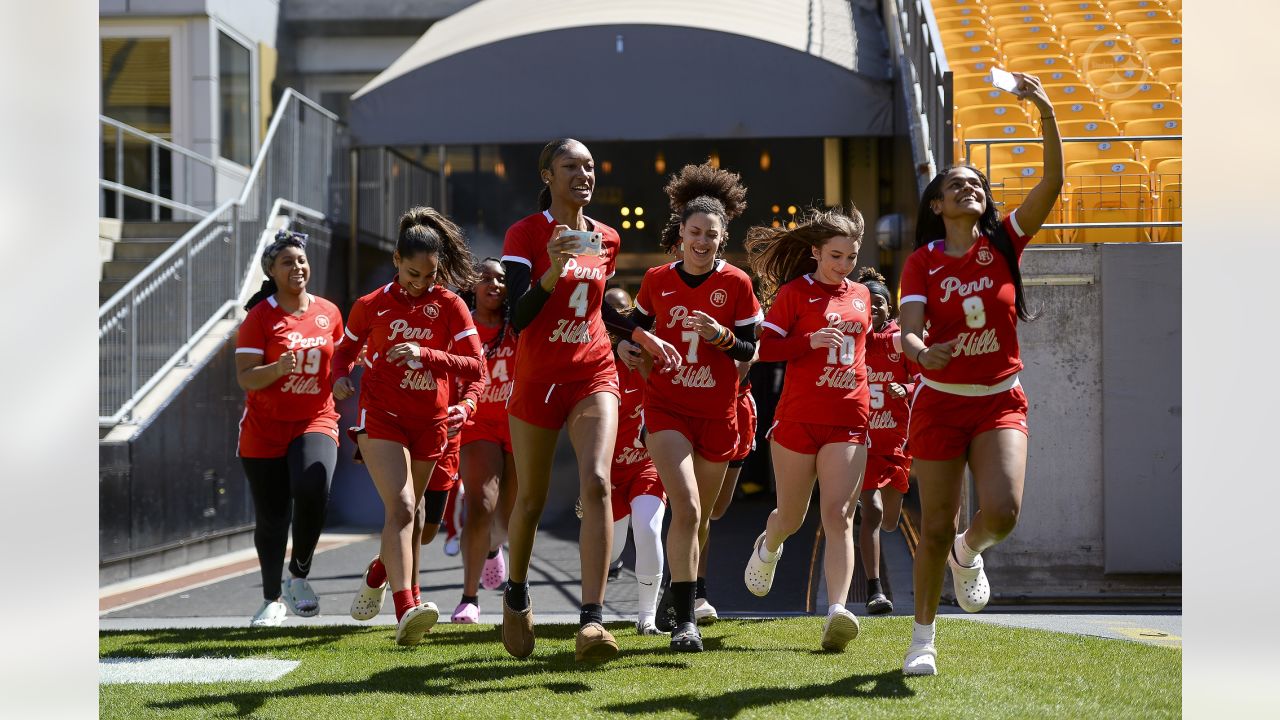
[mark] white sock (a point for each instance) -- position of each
(649, 586)
(922, 634)
(767, 556)
(964, 554)
(834, 609)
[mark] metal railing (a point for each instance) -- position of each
(154, 321)
(157, 172)
(390, 183)
(927, 81)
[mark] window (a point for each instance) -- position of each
(235, 97)
(135, 90)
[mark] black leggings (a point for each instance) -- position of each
(295, 485)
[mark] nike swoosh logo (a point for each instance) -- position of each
(934, 270)
(814, 300)
(646, 584)
(383, 312)
(668, 292)
(628, 392)
(278, 325)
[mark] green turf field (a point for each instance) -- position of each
(751, 669)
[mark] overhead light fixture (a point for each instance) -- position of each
(791, 225)
(500, 169)
(776, 209)
(765, 161)
(639, 224)
(791, 209)
(639, 211)
(777, 224)
(626, 211)
(714, 160)
(606, 167)
(660, 163)
(626, 224)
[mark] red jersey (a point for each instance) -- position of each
(269, 332)
(706, 384)
(970, 297)
(438, 321)
(820, 386)
(492, 405)
(567, 340)
(629, 449)
(886, 364)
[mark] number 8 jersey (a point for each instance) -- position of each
(567, 340)
(971, 298)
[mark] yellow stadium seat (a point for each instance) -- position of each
(1116, 6)
(1106, 76)
(1112, 203)
(970, 67)
(974, 51)
(1001, 20)
(1167, 166)
(962, 38)
(970, 81)
(1125, 110)
(1005, 7)
(970, 22)
(1159, 43)
(1011, 189)
(1108, 172)
(1069, 6)
(1087, 128)
(1038, 31)
(1001, 114)
(1058, 77)
(1006, 154)
(951, 11)
(1001, 173)
(1170, 208)
(985, 96)
(997, 131)
(1069, 92)
(1153, 126)
(958, 3)
(1090, 29)
(1170, 75)
(1113, 92)
(1100, 44)
(1155, 152)
(1076, 152)
(1069, 111)
(1124, 17)
(1039, 65)
(1032, 48)
(1158, 61)
(1088, 16)
(1150, 28)
(1174, 5)
(1110, 60)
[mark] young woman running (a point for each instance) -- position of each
(817, 324)
(420, 342)
(963, 281)
(564, 377)
(890, 382)
(289, 433)
(488, 468)
(705, 307)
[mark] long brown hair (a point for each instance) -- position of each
(702, 189)
(778, 255)
(425, 230)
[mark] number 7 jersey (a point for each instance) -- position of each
(567, 340)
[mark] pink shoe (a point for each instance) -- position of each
(466, 614)
(495, 572)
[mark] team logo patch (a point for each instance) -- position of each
(895, 357)
(985, 257)
(322, 321)
(719, 298)
(859, 305)
(432, 311)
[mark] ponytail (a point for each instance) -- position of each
(425, 230)
(549, 153)
(268, 289)
(283, 239)
(778, 255)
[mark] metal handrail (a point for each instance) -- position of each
(157, 140)
(271, 133)
(141, 195)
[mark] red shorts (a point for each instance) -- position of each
(497, 432)
(715, 440)
(267, 438)
(886, 471)
(424, 441)
(547, 405)
(942, 424)
(808, 438)
(445, 474)
(746, 424)
(628, 482)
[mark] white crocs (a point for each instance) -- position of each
(368, 601)
(759, 574)
(970, 583)
(841, 627)
(415, 623)
(271, 614)
(922, 659)
(704, 613)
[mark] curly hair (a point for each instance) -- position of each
(876, 283)
(702, 189)
(778, 255)
(469, 297)
(425, 230)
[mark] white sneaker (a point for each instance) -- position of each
(452, 545)
(842, 626)
(921, 659)
(301, 598)
(647, 627)
(759, 574)
(271, 614)
(368, 601)
(970, 583)
(416, 623)
(703, 612)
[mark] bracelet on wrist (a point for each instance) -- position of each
(919, 352)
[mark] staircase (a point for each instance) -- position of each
(140, 242)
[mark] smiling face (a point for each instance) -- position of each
(879, 310)
(836, 258)
(963, 194)
(572, 175)
(417, 273)
(701, 236)
(291, 271)
(491, 289)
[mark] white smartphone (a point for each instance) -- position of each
(585, 242)
(1004, 80)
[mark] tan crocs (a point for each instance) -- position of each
(517, 630)
(594, 643)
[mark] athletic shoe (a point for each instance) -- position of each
(921, 659)
(648, 628)
(665, 620)
(452, 545)
(271, 614)
(517, 630)
(759, 574)
(495, 572)
(415, 623)
(969, 583)
(594, 643)
(301, 598)
(878, 604)
(465, 614)
(842, 627)
(368, 601)
(615, 569)
(686, 638)
(703, 612)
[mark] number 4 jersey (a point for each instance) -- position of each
(269, 332)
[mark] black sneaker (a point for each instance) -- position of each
(666, 614)
(615, 570)
(878, 604)
(686, 638)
